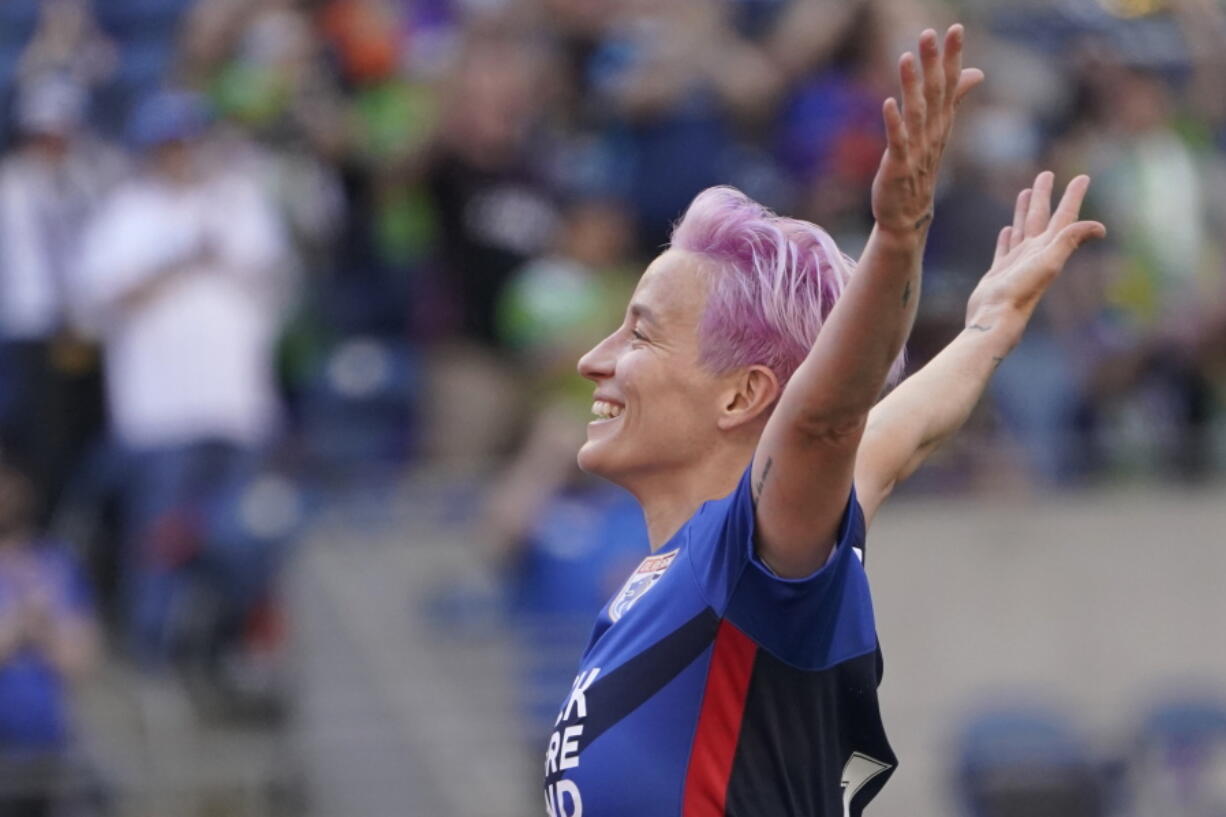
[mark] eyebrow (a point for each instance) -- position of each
(640, 311)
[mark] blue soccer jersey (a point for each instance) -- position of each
(712, 687)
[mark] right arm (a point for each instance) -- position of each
(931, 405)
(924, 411)
(809, 446)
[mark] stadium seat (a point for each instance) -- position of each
(357, 409)
(1024, 760)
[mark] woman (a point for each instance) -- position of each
(736, 671)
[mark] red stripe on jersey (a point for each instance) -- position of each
(719, 723)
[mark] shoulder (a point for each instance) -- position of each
(731, 513)
(718, 540)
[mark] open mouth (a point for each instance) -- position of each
(604, 410)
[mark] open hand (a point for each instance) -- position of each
(916, 135)
(1031, 253)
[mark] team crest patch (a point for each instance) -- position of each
(641, 580)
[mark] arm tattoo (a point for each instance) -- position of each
(996, 361)
(906, 293)
(979, 327)
(923, 220)
(766, 469)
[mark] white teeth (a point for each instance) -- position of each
(606, 410)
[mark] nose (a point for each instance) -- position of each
(600, 360)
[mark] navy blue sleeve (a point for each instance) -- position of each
(812, 622)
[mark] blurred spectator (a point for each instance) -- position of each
(185, 275)
(494, 210)
(564, 540)
(675, 81)
(1166, 288)
(829, 137)
(263, 69)
(47, 641)
(69, 43)
(269, 79)
(367, 36)
(556, 305)
(50, 185)
(1036, 390)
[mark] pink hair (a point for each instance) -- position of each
(776, 281)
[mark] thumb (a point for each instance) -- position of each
(1074, 235)
(970, 78)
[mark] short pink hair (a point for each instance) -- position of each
(776, 280)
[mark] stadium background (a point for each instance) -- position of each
(447, 199)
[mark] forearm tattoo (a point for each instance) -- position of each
(923, 221)
(979, 327)
(906, 293)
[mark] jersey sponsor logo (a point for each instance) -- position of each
(641, 580)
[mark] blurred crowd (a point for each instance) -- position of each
(252, 247)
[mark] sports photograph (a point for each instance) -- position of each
(612, 408)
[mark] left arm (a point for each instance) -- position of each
(803, 467)
(931, 405)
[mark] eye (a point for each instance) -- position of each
(637, 335)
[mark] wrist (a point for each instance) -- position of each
(907, 239)
(1000, 329)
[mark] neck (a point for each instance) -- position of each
(670, 499)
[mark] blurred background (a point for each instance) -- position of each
(291, 295)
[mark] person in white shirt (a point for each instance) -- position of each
(185, 274)
(50, 183)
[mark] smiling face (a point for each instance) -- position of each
(657, 408)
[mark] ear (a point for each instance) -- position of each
(750, 395)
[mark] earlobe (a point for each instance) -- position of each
(753, 393)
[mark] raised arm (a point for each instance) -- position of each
(931, 405)
(803, 467)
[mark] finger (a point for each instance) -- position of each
(1070, 204)
(969, 78)
(1077, 234)
(912, 97)
(895, 132)
(1070, 238)
(1039, 212)
(1002, 245)
(952, 61)
(1019, 217)
(930, 57)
